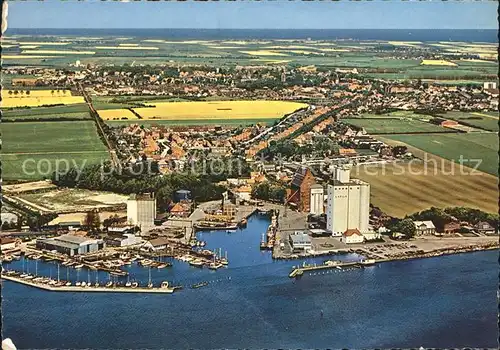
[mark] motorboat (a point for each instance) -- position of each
(196, 263)
(79, 266)
(78, 283)
(68, 284)
(109, 284)
(199, 285)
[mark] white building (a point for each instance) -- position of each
(424, 227)
(352, 236)
(317, 200)
(348, 203)
(489, 85)
(141, 211)
(300, 241)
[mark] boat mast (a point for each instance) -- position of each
(67, 273)
(36, 268)
(57, 272)
(88, 277)
(150, 275)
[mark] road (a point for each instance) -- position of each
(93, 113)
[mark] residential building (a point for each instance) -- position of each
(372, 235)
(70, 244)
(300, 241)
(141, 211)
(299, 193)
(181, 209)
(451, 227)
(352, 236)
(317, 200)
(424, 228)
(348, 203)
(484, 228)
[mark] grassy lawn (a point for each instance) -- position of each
(391, 126)
(478, 146)
(48, 116)
(38, 146)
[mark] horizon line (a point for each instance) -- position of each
(186, 28)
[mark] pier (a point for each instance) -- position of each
(89, 289)
(299, 271)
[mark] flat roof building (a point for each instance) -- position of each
(70, 245)
(300, 241)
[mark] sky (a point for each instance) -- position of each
(280, 14)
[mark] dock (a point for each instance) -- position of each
(299, 271)
(89, 289)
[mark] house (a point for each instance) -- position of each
(300, 241)
(300, 189)
(70, 244)
(484, 227)
(181, 210)
(156, 244)
(424, 228)
(451, 227)
(244, 192)
(7, 243)
(352, 236)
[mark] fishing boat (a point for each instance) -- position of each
(199, 285)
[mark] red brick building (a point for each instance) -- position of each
(299, 193)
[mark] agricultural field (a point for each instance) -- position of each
(372, 58)
(46, 117)
(402, 115)
(216, 110)
(473, 146)
(482, 120)
(402, 189)
(41, 146)
(193, 122)
(36, 98)
(117, 114)
(393, 126)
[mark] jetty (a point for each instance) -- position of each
(89, 288)
(299, 270)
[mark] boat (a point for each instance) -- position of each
(29, 277)
(134, 285)
(162, 266)
(68, 284)
(79, 266)
(128, 284)
(199, 285)
(196, 263)
(150, 284)
(78, 283)
(145, 262)
(7, 259)
(109, 284)
(66, 263)
(224, 260)
(368, 262)
(84, 284)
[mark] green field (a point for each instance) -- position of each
(477, 146)
(47, 116)
(396, 115)
(39, 146)
(483, 120)
(393, 126)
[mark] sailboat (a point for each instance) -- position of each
(224, 260)
(78, 283)
(68, 282)
(128, 284)
(214, 265)
(150, 284)
(110, 282)
(96, 279)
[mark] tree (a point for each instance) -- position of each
(406, 227)
(92, 221)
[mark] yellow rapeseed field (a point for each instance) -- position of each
(38, 98)
(219, 110)
(126, 48)
(37, 93)
(437, 63)
(116, 114)
(263, 53)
